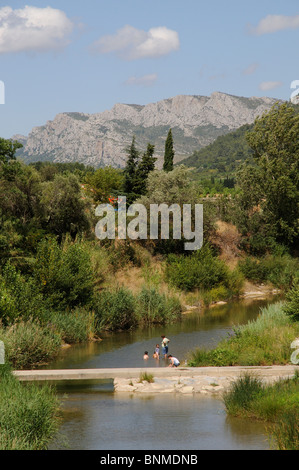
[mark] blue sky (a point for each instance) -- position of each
(85, 56)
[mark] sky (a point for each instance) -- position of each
(86, 56)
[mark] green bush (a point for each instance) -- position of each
(200, 270)
(19, 297)
(154, 307)
(282, 270)
(275, 403)
(265, 341)
(279, 270)
(74, 326)
(291, 306)
(115, 309)
(28, 344)
(253, 269)
(29, 414)
(241, 394)
(64, 273)
(285, 431)
(215, 295)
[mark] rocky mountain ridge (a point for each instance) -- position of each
(101, 139)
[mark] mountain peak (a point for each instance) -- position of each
(101, 139)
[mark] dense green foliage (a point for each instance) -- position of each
(28, 343)
(276, 403)
(104, 183)
(224, 155)
(120, 309)
(137, 170)
(155, 307)
(281, 271)
(63, 274)
(291, 307)
(28, 414)
(265, 341)
(169, 153)
(205, 271)
(268, 201)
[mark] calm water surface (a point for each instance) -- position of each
(95, 418)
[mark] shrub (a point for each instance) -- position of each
(281, 271)
(74, 326)
(64, 273)
(28, 414)
(28, 344)
(291, 306)
(286, 431)
(19, 297)
(275, 403)
(115, 309)
(199, 270)
(216, 294)
(243, 391)
(265, 341)
(253, 269)
(153, 307)
(145, 377)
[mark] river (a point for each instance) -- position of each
(96, 418)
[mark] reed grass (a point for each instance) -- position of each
(276, 404)
(145, 377)
(29, 414)
(28, 343)
(265, 341)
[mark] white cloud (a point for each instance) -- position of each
(250, 69)
(33, 29)
(146, 80)
(266, 86)
(273, 23)
(131, 43)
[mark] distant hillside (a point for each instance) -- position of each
(224, 155)
(101, 139)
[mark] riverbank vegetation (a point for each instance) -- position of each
(265, 341)
(276, 404)
(60, 284)
(29, 414)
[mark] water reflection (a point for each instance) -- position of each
(125, 349)
(95, 418)
(106, 421)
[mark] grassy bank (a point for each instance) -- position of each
(276, 404)
(265, 341)
(29, 414)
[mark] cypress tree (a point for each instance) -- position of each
(146, 165)
(130, 170)
(169, 153)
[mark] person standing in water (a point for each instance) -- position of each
(165, 342)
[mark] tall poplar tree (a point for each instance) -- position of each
(169, 153)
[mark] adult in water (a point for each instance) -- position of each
(165, 342)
